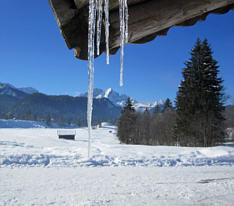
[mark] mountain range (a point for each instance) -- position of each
(28, 103)
(10, 90)
(113, 96)
(120, 99)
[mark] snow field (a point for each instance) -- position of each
(41, 147)
(37, 168)
(117, 186)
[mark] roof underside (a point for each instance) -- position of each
(147, 20)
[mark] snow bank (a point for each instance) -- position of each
(50, 160)
(25, 160)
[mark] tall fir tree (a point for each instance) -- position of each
(199, 100)
(146, 126)
(127, 123)
(167, 106)
(157, 109)
(48, 120)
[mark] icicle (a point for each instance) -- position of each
(126, 20)
(99, 23)
(91, 35)
(123, 16)
(107, 25)
(122, 36)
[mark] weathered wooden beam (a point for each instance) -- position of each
(147, 19)
(114, 4)
(153, 16)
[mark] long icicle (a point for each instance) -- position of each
(122, 36)
(126, 20)
(99, 23)
(107, 25)
(91, 35)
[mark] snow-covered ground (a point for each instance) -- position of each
(37, 168)
(12, 123)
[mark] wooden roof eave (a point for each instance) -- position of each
(147, 19)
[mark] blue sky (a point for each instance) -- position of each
(33, 53)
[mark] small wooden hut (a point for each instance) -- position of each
(66, 134)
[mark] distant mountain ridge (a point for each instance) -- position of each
(28, 90)
(113, 96)
(117, 99)
(28, 104)
(64, 108)
(8, 89)
(120, 99)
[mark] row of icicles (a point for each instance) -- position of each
(96, 8)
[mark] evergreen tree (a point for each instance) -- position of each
(127, 123)
(167, 106)
(48, 120)
(35, 117)
(199, 100)
(157, 109)
(146, 126)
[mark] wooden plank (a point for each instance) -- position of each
(153, 16)
(114, 4)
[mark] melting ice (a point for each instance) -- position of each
(96, 9)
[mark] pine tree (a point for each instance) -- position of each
(167, 106)
(157, 109)
(48, 120)
(199, 100)
(127, 123)
(146, 126)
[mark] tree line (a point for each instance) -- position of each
(147, 128)
(198, 117)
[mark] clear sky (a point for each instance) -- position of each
(33, 53)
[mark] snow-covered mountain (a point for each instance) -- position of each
(120, 99)
(28, 90)
(113, 96)
(139, 106)
(10, 90)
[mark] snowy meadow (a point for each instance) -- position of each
(37, 168)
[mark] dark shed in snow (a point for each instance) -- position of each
(66, 134)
